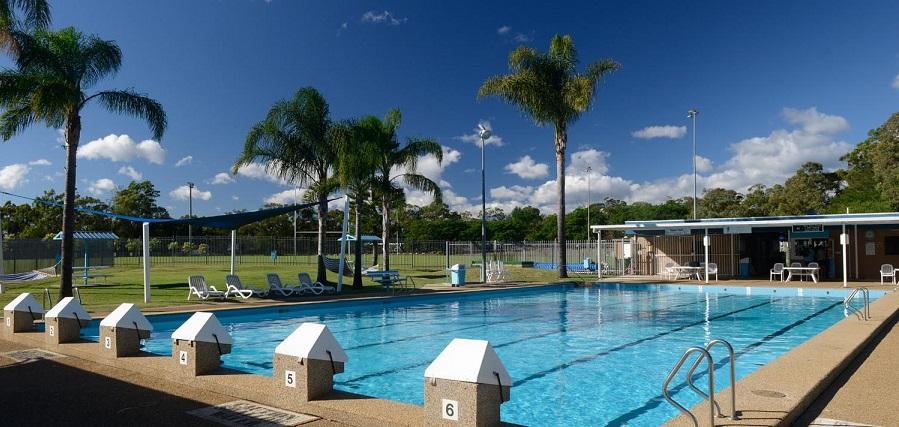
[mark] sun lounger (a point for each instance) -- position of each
(316, 288)
(197, 286)
(276, 288)
(236, 287)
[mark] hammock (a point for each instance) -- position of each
(333, 265)
(23, 277)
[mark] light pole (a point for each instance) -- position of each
(692, 115)
(190, 214)
(588, 170)
(484, 133)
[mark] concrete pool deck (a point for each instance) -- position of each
(801, 375)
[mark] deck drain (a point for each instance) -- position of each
(241, 413)
(769, 393)
(31, 355)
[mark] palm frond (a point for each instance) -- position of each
(36, 12)
(15, 120)
(423, 183)
(99, 58)
(137, 105)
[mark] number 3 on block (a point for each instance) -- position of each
(450, 410)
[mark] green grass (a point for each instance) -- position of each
(169, 282)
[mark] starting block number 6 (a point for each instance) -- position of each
(450, 410)
(182, 357)
(290, 379)
(107, 342)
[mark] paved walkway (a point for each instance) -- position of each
(866, 393)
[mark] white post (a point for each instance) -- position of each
(234, 249)
(346, 225)
(706, 242)
(599, 253)
(1, 246)
(146, 229)
(844, 240)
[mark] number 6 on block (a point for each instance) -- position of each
(450, 410)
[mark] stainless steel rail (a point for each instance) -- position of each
(865, 312)
(703, 354)
(734, 415)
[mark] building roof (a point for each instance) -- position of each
(883, 218)
(90, 235)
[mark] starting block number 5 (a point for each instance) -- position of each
(290, 379)
(450, 410)
(182, 357)
(107, 342)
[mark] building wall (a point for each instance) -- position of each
(870, 249)
(681, 250)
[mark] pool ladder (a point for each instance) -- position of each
(704, 354)
(865, 312)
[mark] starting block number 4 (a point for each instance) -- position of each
(107, 342)
(290, 379)
(450, 410)
(182, 357)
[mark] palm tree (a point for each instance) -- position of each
(548, 88)
(394, 163)
(294, 142)
(53, 69)
(36, 16)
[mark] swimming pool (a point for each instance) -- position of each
(578, 356)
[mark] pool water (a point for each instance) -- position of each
(577, 356)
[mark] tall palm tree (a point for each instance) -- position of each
(294, 142)
(396, 163)
(53, 69)
(36, 15)
(548, 88)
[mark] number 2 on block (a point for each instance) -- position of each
(450, 410)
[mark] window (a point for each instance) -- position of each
(891, 245)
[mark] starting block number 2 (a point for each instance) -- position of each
(182, 357)
(450, 410)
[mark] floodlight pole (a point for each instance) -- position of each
(589, 169)
(484, 133)
(692, 115)
(190, 214)
(233, 249)
(346, 224)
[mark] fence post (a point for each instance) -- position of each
(412, 243)
(446, 242)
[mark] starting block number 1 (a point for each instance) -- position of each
(290, 379)
(182, 357)
(107, 342)
(450, 410)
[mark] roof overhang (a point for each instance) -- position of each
(756, 222)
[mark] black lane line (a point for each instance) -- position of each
(656, 401)
(595, 356)
(350, 381)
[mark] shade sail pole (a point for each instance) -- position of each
(233, 249)
(599, 254)
(1, 246)
(146, 241)
(706, 242)
(844, 240)
(346, 224)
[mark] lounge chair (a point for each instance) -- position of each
(316, 288)
(236, 287)
(276, 288)
(669, 270)
(197, 286)
(778, 270)
(887, 270)
(713, 269)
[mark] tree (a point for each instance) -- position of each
(295, 142)
(52, 71)
(807, 191)
(395, 163)
(36, 16)
(547, 88)
(720, 203)
(137, 199)
(884, 159)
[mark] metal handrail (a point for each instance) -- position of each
(734, 415)
(865, 312)
(703, 354)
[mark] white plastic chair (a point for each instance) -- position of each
(713, 269)
(196, 285)
(778, 270)
(669, 270)
(316, 288)
(236, 287)
(275, 286)
(887, 270)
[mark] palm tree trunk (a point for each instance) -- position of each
(357, 247)
(321, 275)
(561, 142)
(385, 233)
(73, 136)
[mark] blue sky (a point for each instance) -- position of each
(776, 83)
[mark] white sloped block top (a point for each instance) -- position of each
(472, 361)
(202, 326)
(312, 341)
(127, 315)
(68, 308)
(23, 302)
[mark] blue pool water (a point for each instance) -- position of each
(588, 356)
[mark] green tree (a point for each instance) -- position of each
(53, 69)
(36, 17)
(137, 199)
(295, 141)
(547, 88)
(720, 203)
(808, 190)
(394, 163)
(881, 152)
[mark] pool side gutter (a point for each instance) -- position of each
(778, 393)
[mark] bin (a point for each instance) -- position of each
(744, 268)
(457, 275)
(588, 264)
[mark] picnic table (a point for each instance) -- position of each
(687, 272)
(802, 272)
(389, 279)
(87, 274)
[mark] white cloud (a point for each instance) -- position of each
(342, 28)
(384, 17)
(667, 131)
(183, 193)
(522, 38)
(186, 160)
(235, 198)
(813, 122)
(515, 192)
(287, 197)
(40, 162)
(101, 186)
(261, 171)
(596, 160)
(131, 173)
(703, 164)
(503, 30)
(475, 138)
(527, 168)
(121, 148)
(222, 178)
(14, 175)
(431, 168)
(896, 82)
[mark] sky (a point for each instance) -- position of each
(776, 84)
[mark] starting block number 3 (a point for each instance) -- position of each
(450, 410)
(290, 379)
(182, 357)
(107, 342)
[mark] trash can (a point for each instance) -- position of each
(588, 264)
(457, 275)
(744, 268)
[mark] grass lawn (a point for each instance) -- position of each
(169, 282)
